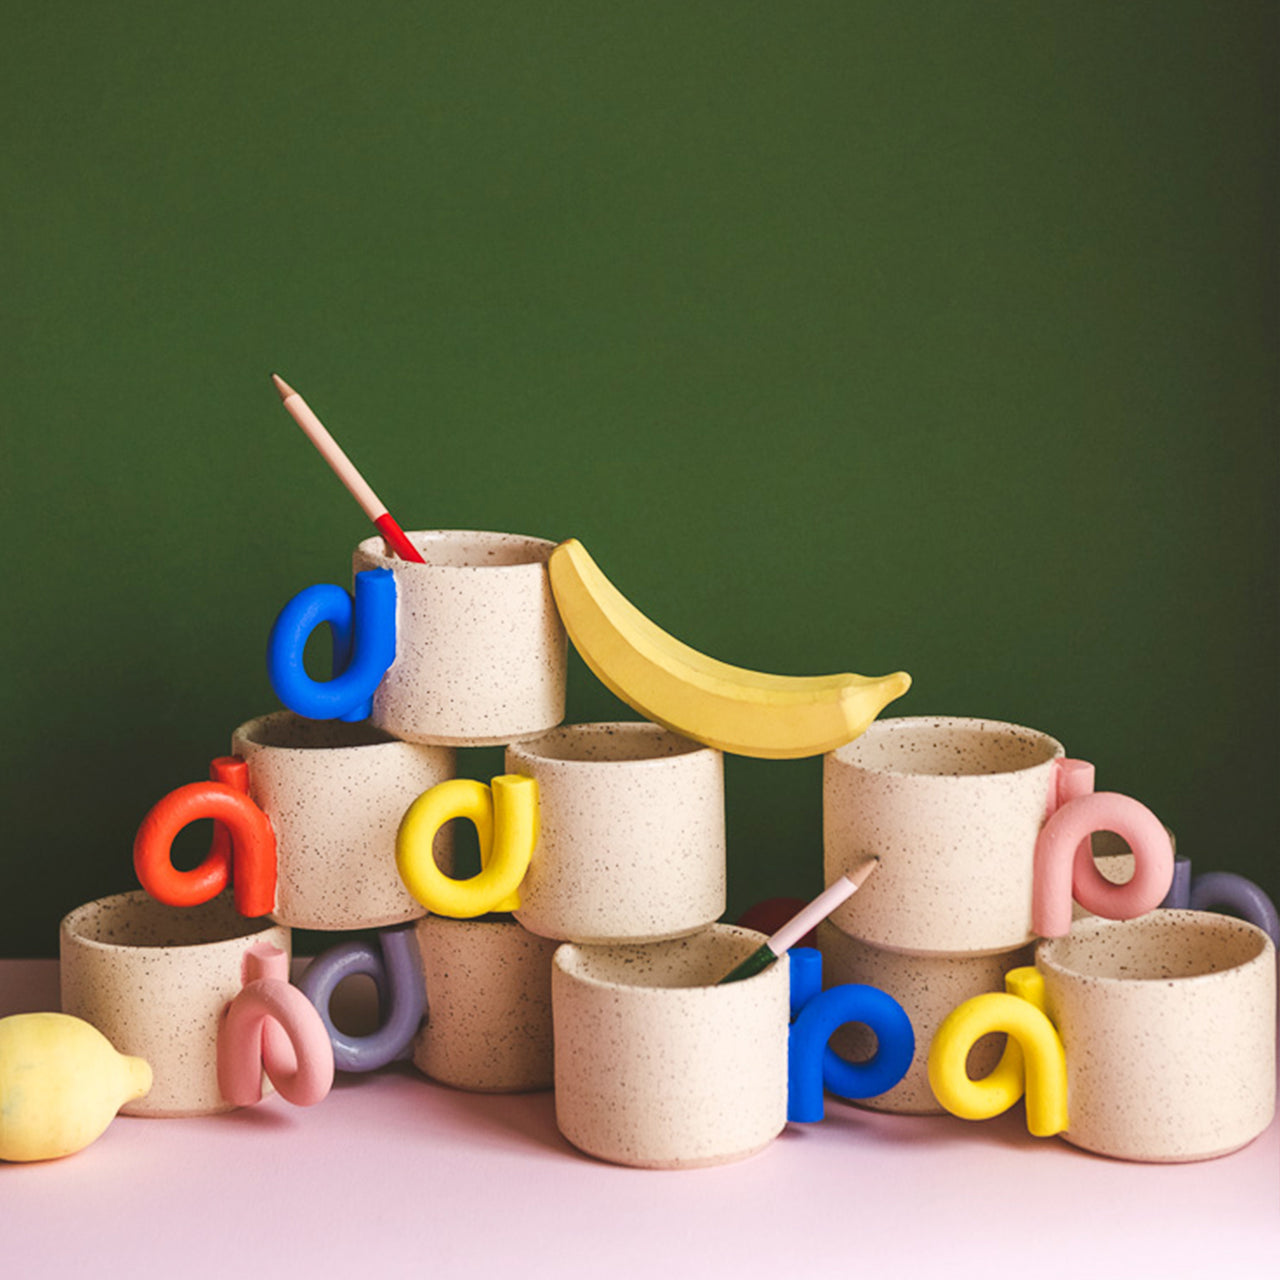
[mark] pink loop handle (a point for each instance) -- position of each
(1072, 779)
(272, 1026)
(1064, 863)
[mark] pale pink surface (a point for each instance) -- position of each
(394, 1176)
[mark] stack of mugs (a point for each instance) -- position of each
(585, 955)
(306, 812)
(604, 874)
(1144, 1035)
(954, 808)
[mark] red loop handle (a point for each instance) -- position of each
(243, 849)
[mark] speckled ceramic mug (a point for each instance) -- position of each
(658, 1066)
(1168, 1027)
(312, 828)
(631, 843)
(464, 649)
(335, 794)
(159, 982)
(982, 833)
(928, 987)
(488, 1026)
(1150, 1040)
(480, 649)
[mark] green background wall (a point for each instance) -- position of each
(847, 336)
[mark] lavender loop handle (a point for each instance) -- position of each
(1222, 891)
(1179, 896)
(1233, 893)
(393, 965)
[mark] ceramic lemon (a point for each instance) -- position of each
(61, 1084)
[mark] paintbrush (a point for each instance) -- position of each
(300, 411)
(800, 924)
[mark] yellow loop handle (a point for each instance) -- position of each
(1033, 1058)
(506, 822)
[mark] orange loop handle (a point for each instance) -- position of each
(243, 849)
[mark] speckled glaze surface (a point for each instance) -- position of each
(488, 1025)
(1169, 1027)
(631, 843)
(656, 1066)
(335, 794)
(928, 987)
(155, 980)
(952, 808)
(480, 649)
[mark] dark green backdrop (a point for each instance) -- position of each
(847, 336)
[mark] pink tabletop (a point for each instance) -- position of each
(392, 1175)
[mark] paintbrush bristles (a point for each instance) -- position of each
(858, 877)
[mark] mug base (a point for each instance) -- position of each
(181, 1113)
(896, 1108)
(695, 1162)
(1160, 1158)
(463, 740)
(346, 924)
(968, 953)
(462, 1086)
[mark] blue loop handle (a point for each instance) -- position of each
(806, 976)
(402, 997)
(813, 1065)
(364, 646)
(895, 1037)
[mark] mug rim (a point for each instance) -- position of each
(488, 921)
(1177, 922)
(117, 903)
(274, 719)
(845, 756)
(536, 551)
(568, 952)
(631, 729)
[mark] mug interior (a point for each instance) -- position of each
(948, 747)
(1157, 947)
(468, 549)
(136, 920)
(283, 730)
(698, 960)
(619, 742)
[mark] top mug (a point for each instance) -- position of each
(982, 830)
(466, 649)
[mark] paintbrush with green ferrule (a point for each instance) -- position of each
(800, 924)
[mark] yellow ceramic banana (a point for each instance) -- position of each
(749, 713)
(61, 1084)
